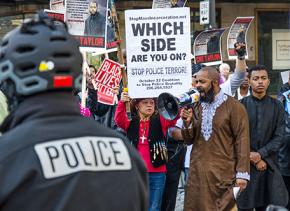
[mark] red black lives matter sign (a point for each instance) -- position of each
(108, 77)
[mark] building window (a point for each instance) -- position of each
(274, 44)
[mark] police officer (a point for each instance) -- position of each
(52, 158)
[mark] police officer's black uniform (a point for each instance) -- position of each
(115, 178)
(51, 157)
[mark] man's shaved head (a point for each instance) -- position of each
(212, 72)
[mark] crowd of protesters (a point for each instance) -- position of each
(237, 136)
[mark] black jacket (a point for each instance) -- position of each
(156, 139)
(95, 25)
(266, 118)
(52, 158)
(266, 121)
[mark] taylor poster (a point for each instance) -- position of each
(207, 47)
(238, 33)
(87, 21)
(108, 77)
(158, 51)
(281, 49)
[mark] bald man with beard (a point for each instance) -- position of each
(219, 134)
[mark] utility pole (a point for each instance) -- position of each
(212, 19)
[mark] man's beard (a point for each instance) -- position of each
(208, 96)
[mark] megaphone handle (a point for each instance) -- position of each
(128, 110)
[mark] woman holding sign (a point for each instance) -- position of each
(146, 131)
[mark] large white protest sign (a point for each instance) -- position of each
(158, 51)
(87, 20)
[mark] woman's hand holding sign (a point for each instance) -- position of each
(124, 96)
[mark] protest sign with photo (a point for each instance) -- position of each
(57, 5)
(168, 3)
(238, 33)
(158, 51)
(161, 4)
(59, 16)
(87, 21)
(111, 38)
(108, 77)
(207, 47)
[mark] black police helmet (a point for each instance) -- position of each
(38, 56)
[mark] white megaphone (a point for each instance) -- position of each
(168, 105)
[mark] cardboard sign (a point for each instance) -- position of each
(108, 77)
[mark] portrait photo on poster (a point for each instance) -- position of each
(111, 38)
(95, 23)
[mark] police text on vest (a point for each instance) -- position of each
(67, 156)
